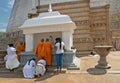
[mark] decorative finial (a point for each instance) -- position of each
(50, 8)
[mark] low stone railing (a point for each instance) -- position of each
(68, 58)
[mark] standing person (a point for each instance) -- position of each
(59, 48)
(39, 50)
(48, 52)
(29, 69)
(11, 59)
(40, 67)
(20, 48)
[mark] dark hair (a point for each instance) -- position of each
(21, 43)
(56, 40)
(31, 60)
(42, 40)
(47, 39)
(59, 40)
(43, 58)
(10, 45)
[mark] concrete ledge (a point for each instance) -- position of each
(68, 59)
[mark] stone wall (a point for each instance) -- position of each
(13, 37)
(115, 36)
(90, 25)
(99, 21)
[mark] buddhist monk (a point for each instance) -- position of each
(47, 52)
(20, 48)
(39, 50)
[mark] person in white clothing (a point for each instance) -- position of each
(40, 67)
(59, 48)
(29, 69)
(11, 58)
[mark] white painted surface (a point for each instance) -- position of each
(97, 3)
(44, 2)
(49, 22)
(29, 42)
(47, 18)
(67, 38)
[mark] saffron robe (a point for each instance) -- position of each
(47, 47)
(20, 48)
(39, 51)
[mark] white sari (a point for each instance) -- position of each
(40, 68)
(29, 69)
(11, 58)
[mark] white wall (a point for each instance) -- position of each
(43, 2)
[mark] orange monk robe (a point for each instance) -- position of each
(47, 47)
(39, 51)
(20, 48)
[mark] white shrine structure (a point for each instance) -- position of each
(51, 21)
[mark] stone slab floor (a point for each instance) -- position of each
(86, 74)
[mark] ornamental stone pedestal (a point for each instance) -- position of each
(103, 51)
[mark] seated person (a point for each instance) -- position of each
(40, 67)
(29, 69)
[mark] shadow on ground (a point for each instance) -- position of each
(49, 74)
(18, 74)
(96, 71)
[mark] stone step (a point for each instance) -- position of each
(1, 59)
(83, 53)
(19, 70)
(2, 62)
(2, 66)
(73, 68)
(4, 70)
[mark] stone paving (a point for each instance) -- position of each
(86, 74)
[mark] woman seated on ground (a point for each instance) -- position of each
(40, 67)
(29, 69)
(11, 58)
